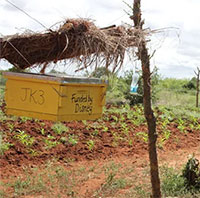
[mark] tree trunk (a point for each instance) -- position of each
(151, 122)
(149, 115)
(197, 94)
(197, 89)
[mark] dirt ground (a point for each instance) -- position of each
(15, 158)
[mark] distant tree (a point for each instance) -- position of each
(15, 69)
(197, 86)
(101, 72)
(138, 98)
(191, 84)
(2, 79)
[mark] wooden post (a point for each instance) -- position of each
(197, 86)
(144, 57)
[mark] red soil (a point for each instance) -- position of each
(106, 144)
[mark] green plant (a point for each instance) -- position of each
(143, 136)
(4, 146)
(90, 144)
(130, 142)
(72, 139)
(42, 130)
(95, 132)
(182, 128)
(197, 127)
(50, 142)
(59, 128)
(116, 138)
(181, 124)
(125, 128)
(24, 119)
(114, 118)
(166, 134)
(33, 152)
(11, 126)
(105, 128)
(111, 185)
(42, 124)
(63, 139)
(24, 138)
(84, 122)
(164, 137)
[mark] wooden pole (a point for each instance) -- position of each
(197, 86)
(144, 57)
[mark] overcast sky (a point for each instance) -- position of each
(177, 47)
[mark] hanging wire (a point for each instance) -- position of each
(26, 14)
(116, 19)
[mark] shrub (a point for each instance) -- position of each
(191, 84)
(191, 173)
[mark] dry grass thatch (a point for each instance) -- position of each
(77, 38)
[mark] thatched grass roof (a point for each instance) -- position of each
(76, 39)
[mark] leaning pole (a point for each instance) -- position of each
(144, 57)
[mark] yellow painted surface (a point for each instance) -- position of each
(49, 99)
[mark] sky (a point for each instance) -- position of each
(176, 46)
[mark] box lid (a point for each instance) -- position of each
(56, 77)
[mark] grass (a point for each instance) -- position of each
(172, 182)
(55, 180)
(50, 142)
(174, 98)
(111, 179)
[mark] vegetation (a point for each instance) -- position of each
(59, 128)
(118, 91)
(191, 174)
(184, 183)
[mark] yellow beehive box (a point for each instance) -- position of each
(54, 98)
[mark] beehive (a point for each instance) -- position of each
(54, 98)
